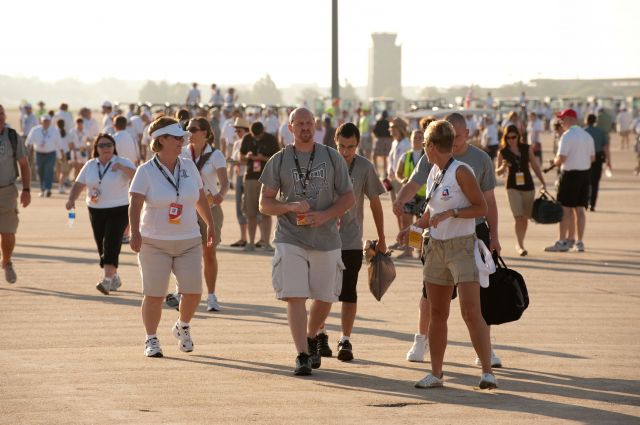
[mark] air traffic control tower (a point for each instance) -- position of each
(385, 66)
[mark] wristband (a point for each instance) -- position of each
(26, 189)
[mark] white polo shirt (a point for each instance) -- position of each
(209, 171)
(285, 134)
(44, 141)
(126, 147)
(90, 127)
(578, 146)
(114, 189)
(160, 194)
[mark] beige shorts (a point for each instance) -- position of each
(451, 261)
(521, 202)
(251, 197)
(9, 209)
(306, 273)
(158, 258)
(218, 217)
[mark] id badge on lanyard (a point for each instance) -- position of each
(175, 213)
(175, 208)
(519, 178)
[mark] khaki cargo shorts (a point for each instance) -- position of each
(307, 273)
(218, 217)
(452, 261)
(9, 209)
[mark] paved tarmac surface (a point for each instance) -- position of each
(71, 355)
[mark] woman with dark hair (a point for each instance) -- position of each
(106, 177)
(166, 192)
(516, 158)
(213, 169)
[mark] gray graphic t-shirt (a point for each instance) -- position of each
(476, 158)
(328, 180)
(365, 182)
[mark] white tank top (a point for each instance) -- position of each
(448, 196)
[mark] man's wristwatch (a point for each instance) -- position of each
(455, 212)
(26, 189)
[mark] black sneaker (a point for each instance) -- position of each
(345, 351)
(313, 352)
(323, 345)
(303, 365)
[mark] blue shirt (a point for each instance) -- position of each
(600, 138)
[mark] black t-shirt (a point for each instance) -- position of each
(519, 164)
(381, 128)
(267, 146)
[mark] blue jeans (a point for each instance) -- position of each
(46, 163)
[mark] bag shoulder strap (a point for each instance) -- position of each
(13, 139)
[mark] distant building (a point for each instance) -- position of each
(385, 66)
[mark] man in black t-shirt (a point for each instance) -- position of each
(256, 149)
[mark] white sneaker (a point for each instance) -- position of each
(183, 335)
(495, 360)
(430, 381)
(104, 285)
(559, 246)
(578, 247)
(488, 382)
(152, 348)
(419, 348)
(116, 283)
(212, 303)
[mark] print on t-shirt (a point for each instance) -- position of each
(316, 183)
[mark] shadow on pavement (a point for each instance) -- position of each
(513, 381)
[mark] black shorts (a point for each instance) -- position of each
(415, 206)
(573, 190)
(482, 233)
(492, 151)
(352, 259)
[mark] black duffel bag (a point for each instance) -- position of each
(506, 298)
(546, 210)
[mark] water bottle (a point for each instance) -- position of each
(72, 217)
(608, 172)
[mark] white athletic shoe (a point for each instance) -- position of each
(183, 335)
(212, 303)
(116, 283)
(430, 381)
(419, 348)
(488, 382)
(152, 348)
(495, 360)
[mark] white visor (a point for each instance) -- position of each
(170, 130)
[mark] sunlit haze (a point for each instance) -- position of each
(233, 42)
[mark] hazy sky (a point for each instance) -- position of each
(444, 43)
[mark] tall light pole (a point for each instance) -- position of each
(335, 81)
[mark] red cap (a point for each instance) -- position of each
(567, 113)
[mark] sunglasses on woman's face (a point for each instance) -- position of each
(512, 137)
(105, 145)
(193, 129)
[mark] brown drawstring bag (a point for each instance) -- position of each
(381, 269)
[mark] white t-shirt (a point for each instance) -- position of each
(125, 146)
(64, 144)
(578, 146)
(66, 117)
(318, 136)
(193, 96)
(534, 129)
(228, 131)
(209, 171)
(271, 124)
(235, 155)
(44, 141)
(79, 140)
(285, 134)
(107, 123)
(448, 196)
(397, 149)
(90, 127)
(160, 194)
(114, 189)
(490, 135)
(623, 121)
(136, 127)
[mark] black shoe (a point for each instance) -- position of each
(48, 194)
(345, 351)
(303, 365)
(172, 301)
(323, 345)
(312, 343)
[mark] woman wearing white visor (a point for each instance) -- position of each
(167, 192)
